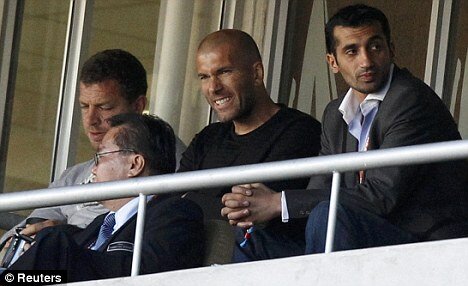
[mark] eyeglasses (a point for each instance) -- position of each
(99, 155)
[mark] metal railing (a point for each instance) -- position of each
(336, 164)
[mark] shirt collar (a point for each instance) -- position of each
(350, 104)
(123, 214)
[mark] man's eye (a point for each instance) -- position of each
(350, 52)
(202, 77)
(84, 106)
(376, 47)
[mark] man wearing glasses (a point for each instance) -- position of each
(111, 82)
(173, 237)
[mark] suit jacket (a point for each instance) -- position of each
(173, 239)
(429, 201)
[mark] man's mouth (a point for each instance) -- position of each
(96, 135)
(367, 76)
(222, 101)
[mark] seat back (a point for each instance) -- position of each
(219, 242)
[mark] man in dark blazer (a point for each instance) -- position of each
(385, 107)
(134, 146)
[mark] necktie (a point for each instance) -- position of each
(106, 230)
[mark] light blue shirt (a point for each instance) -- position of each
(123, 214)
(353, 111)
(126, 212)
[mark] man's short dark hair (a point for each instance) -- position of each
(355, 16)
(149, 136)
(118, 65)
(243, 43)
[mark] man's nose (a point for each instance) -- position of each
(365, 59)
(91, 116)
(214, 85)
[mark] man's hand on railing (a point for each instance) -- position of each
(251, 204)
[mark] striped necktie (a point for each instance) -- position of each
(106, 230)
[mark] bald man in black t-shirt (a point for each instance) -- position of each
(252, 129)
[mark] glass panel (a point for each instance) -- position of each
(31, 140)
(130, 25)
(309, 85)
(456, 91)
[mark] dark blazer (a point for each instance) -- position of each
(429, 201)
(173, 239)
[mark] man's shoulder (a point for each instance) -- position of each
(290, 118)
(74, 175)
(214, 130)
(333, 107)
(294, 114)
(80, 167)
(216, 127)
(407, 88)
(404, 80)
(404, 75)
(284, 115)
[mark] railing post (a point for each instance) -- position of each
(336, 181)
(140, 226)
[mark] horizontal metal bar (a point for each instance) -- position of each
(229, 176)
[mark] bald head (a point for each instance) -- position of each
(242, 43)
(231, 74)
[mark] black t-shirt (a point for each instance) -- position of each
(289, 134)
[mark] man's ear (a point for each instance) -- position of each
(137, 166)
(333, 63)
(139, 104)
(392, 50)
(258, 73)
